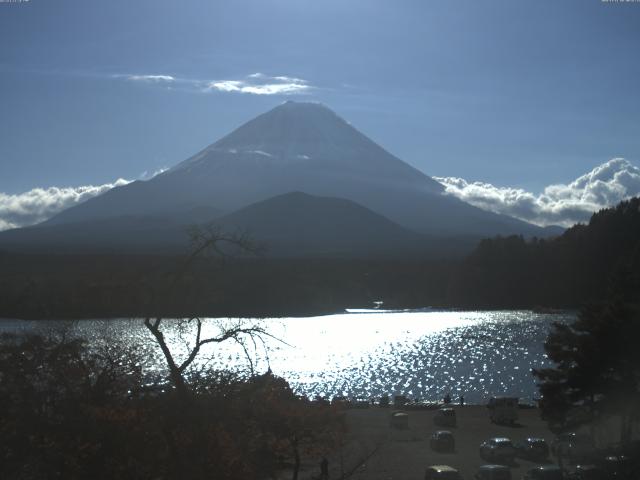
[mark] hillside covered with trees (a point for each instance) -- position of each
(578, 267)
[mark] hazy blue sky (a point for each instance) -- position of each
(520, 93)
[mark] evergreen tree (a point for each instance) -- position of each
(597, 371)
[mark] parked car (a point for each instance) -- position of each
(445, 417)
(533, 448)
(544, 472)
(573, 446)
(498, 449)
(587, 472)
(617, 466)
(399, 420)
(493, 472)
(441, 472)
(503, 410)
(443, 441)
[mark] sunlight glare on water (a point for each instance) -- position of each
(344, 338)
(421, 354)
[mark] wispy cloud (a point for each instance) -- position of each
(151, 78)
(261, 84)
(40, 204)
(253, 84)
(559, 204)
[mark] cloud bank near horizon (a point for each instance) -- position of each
(558, 204)
(39, 204)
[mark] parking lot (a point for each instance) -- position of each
(405, 454)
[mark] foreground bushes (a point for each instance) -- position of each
(72, 412)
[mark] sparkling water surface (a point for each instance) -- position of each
(359, 354)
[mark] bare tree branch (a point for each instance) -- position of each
(205, 238)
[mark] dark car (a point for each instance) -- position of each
(443, 441)
(544, 472)
(445, 417)
(617, 466)
(493, 472)
(498, 449)
(573, 446)
(533, 448)
(587, 472)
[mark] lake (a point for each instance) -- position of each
(422, 354)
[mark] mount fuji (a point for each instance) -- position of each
(295, 147)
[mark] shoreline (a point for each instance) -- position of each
(309, 314)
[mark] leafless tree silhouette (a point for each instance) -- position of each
(208, 239)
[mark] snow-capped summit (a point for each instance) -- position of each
(304, 135)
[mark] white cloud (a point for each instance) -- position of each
(40, 204)
(151, 78)
(146, 175)
(559, 204)
(261, 84)
(226, 86)
(254, 84)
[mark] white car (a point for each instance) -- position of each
(442, 472)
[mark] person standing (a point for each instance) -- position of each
(324, 469)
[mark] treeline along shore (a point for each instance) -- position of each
(109, 286)
(568, 271)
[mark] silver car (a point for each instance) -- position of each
(498, 449)
(493, 472)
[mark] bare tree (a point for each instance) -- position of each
(210, 239)
(236, 332)
(206, 239)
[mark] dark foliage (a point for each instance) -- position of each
(567, 271)
(70, 412)
(597, 368)
(99, 286)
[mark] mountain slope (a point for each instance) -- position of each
(122, 234)
(298, 224)
(299, 147)
(292, 225)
